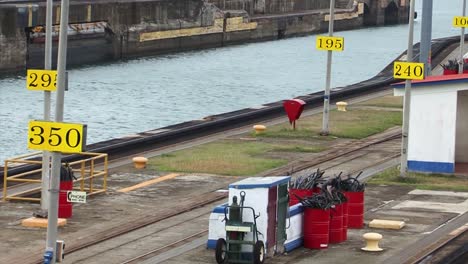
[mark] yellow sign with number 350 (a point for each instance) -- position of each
(408, 70)
(41, 80)
(55, 136)
(330, 43)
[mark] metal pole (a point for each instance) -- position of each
(407, 98)
(56, 156)
(326, 97)
(426, 36)
(462, 42)
(47, 95)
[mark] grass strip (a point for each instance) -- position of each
(421, 181)
(354, 123)
(385, 101)
(278, 144)
(224, 157)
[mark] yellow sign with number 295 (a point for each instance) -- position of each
(55, 136)
(41, 80)
(408, 70)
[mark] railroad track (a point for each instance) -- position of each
(451, 248)
(152, 253)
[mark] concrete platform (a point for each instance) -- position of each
(117, 208)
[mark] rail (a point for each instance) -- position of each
(91, 178)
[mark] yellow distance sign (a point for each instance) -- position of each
(330, 43)
(56, 136)
(408, 70)
(41, 80)
(460, 21)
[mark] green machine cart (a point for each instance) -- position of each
(241, 244)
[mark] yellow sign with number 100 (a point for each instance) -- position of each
(330, 43)
(55, 136)
(408, 70)
(460, 21)
(41, 80)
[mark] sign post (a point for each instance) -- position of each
(51, 239)
(407, 98)
(47, 95)
(461, 22)
(330, 44)
(426, 36)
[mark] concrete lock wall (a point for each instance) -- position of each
(277, 6)
(431, 145)
(133, 29)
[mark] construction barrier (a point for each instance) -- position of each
(91, 176)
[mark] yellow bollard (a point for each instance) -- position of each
(139, 162)
(372, 240)
(341, 106)
(259, 128)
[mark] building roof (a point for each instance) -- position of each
(436, 80)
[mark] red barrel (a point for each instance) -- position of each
(336, 224)
(316, 226)
(355, 209)
(299, 192)
(65, 208)
(345, 221)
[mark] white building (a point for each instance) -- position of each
(438, 124)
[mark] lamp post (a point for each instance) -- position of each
(407, 98)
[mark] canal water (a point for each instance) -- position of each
(122, 98)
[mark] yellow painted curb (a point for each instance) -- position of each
(386, 224)
(147, 183)
(41, 222)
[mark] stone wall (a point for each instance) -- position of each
(12, 46)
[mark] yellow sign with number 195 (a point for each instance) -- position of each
(330, 43)
(408, 70)
(41, 80)
(55, 136)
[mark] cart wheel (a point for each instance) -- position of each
(259, 252)
(221, 255)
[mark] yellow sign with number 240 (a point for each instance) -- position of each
(408, 70)
(55, 136)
